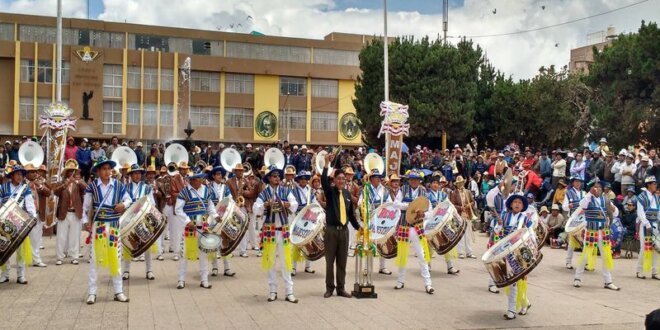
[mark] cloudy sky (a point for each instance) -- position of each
(519, 54)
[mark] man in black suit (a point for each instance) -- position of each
(339, 212)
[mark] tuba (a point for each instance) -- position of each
(247, 168)
(176, 154)
(172, 169)
(31, 153)
(372, 161)
(319, 162)
(201, 166)
(508, 182)
(274, 157)
(122, 156)
(229, 158)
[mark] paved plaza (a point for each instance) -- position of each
(54, 299)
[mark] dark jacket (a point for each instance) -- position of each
(332, 199)
(84, 157)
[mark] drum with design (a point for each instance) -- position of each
(444, 228)
(540, 229)
(513, 257)
(576, 226)
(141, 225)
(232, 226)
(208, 242)
(15, 225)
(307, 231)
(382, 227)
(617, 231)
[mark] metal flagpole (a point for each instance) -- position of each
(58, 86)
(385, 54)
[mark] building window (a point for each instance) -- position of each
(166, 79)
(112, 80)
(324, 121)
(268, 52)
(27, 71)
(66, 69)
(239, 117)
(40, 34)
(111, 117)
(293, 120)
(45, 72)
(239, 83)
(153, 43)
(325, 88)
(134, 77)
(150, 114)
(292, 86)
(42, 104)
(201, 47)
(100, 39)
(336, 57)
(166, 115)
(150, 78)
(133, 113)
(203, 81)
(204, 116)
(26, 109)
(7, 31)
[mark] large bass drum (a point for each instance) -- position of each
(15, 225)
(232, 226)
(140, 226)
(307, 231)
(382, 228)
(576, 226)
(540, 229)
(513, 257)
(444, 228)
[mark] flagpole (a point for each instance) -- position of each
(385, 53)
(58, 83)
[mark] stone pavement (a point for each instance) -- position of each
(54, 299)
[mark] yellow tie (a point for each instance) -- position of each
(342, 208)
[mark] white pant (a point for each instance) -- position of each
(465, 245)
(423, 266)
(308, 264)
(203, 264)
(381, 262)
(225, 260)
(242, 246)
(569, 253)
(279, 262)
(640, 257)
(252, 231)
(126, 264)
(176, 225)
(513, 296)
(20, 266)
(116, 280)
(35, 241)
(607, 275)
(68, 237)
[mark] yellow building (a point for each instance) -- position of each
(243, 88)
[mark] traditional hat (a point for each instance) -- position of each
(197, 174)
(575, 177)
(238, 167)
(415, 174)
(215, 170)
(290, 170)
(304, 175)
(263, 170)
(593, 182)
(514, 197)
(531, 195)
(555, 207)
(151, 169)
(102, 161)
(543, 209)
(163, 169)
(443, 179)
(602, 140)
(11, 170)
(272, 170)
(375, 173)
(315, 177)
(348, 170)
(183, 164)
(631, 189)
(135, 168)
(394, 177)
(459, 180)
(43, 169)
(650, 179)
(30, 168)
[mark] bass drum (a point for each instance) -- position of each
(232, 226)
(576, 226)
(513, 257)
(140, 226)
(307, 231)
(15, 225)
(617, 231)
(444, 228)
(382, 228)
(540, 229)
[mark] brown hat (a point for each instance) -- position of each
(238, 167)
(70, 164)
(152, 169)
(163, 169)
(562, 182)
(348, 171)
(394, 177)
(30, 168)
(459, 180)
(289, 170)
(183, 164)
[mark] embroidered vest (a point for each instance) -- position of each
(140, 191)
(303, 198)
(574, 198)
(281, 193)
(512, 222)
(195, 203)
(106, 212)
(375, 199)
(436, 197)
(220, 191)
(650, 212)
(6, 193)
(595, 213)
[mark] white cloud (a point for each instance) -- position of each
(520, 55)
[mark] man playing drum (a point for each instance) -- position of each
(495, 199)
(276, 204)
(304, 196)
(137, 189)
(195, 203)
(648, 205)
(220, 191)
(175, 220)
(238, 187)
(571, 202)
(105, 199)
(41, 192)
(70, 192)
(413, 234)
(9, 189)
(150, 180)
(463, 201)
(595, 208)
(437, 196)
(377, 195)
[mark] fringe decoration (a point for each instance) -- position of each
(106, 247)
(190, 244)
(451, 255)
(27, 251)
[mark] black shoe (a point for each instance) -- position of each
(343, 294)
(309, 270)
(327, 294)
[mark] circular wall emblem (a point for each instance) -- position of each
(348, 126)
(265, 125)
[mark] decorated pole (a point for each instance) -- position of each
(395, 126)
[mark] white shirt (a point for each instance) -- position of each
(584, 203)
(641, 215)
(628, 178)
(106, 190)
(490, 197)
(380, 192)
(210, 208)
(141, 193)
(559, 168)
(258, 206)
(27, 203)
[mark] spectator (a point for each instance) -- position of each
(628, 173)
(560, 192)
(555, 222)
(154, 159)
(71, 149)
(84, 157)
(97, 152)
(304, 160)
(629, 209)
(616, 169)
(578, 166)
(608, 175)
(4, 155)
(500, 165)
(607, 191)
(114, 144)
(558, 169)
(288, 156)
(480, 166)
(545, 167)
(13, 152)
(642, 171)
(139, 153)
(596, 167)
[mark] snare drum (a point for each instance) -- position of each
(15, 225)
(307, 231)
(140, 226)
(232, 226)
(513, 257)
(576, 226)
(382, 227)
(444, 228)
(208, 242)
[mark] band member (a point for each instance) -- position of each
(195, 203)
(163, 186)
(220, 191)
(318, 191)
(41, 192)
(648, 204)
(238, 187)
(571, 202)
(377, 194)
(14, 187)
(176, 220)
(513, 219)
(437, 196)
(70, 192)
(252, 190)
(413, 234)
(137, 189)
(495, 199)
(105, 199)
(463, 201)
(595, 208)
(277, 204)
(304, 196)
(150, 180)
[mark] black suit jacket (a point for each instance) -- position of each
(332, 203)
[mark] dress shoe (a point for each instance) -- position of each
(121, 297)
(21, 280)
(429, 289)
(524, 310)
(214, 272)
(39, 264)
(91, 299)
(569, 266)
(640, 276)
(344, 294)
(259, 253)
(385, 271)
(150, 276)
(125, 276)
(398, 286)
(180, 285)
(611, 286)
(577, 283)
(493, 289)
(160, 257)
(243, 255)
(58, 263)
(327, 294)
(453, 271)
(291, 298)
(509, 315)
(272, 296)
(229, 273)
(205, 285)
(309, 270)
(293, 272)
(4, 279)
(140, 258)
(75, 262)
(471, 256)
(655, 277)
(461, 256)
(176, 258)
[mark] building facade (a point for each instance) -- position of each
(582, 57)
(125, 80)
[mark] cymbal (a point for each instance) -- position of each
(420, 203)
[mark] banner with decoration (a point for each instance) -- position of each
(395, 126)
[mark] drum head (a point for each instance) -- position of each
(506, 245)
(439, 216)
(209, 241)
(132, 215)
(307, 224)
(383, 222)
(575, 223)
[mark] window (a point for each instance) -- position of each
(166, 79)
(294, 120)
(100, 39)
(44, 71)
(201, 47)
(239, 117)
(324, 88)
(292, 86)
(27, 71)
(268, 52)
(239, 83)
(133, 113)
(112, 80)
(111, 117)
(150, 78)
(66, 69)
(42, 104)
(324, 121)
(26, 109)
(336, 57)
(134, 77)
(153, 43)
(203, 81)
(7, 31)
(204, 116)
(150, 114)
(40, 34)
(166, 115)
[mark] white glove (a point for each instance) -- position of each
(647, 225)
(498, 228)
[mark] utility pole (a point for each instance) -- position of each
(445, 19)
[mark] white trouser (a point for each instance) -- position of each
(35, 241)
(203, 266)
(308, 264)
(640, 257)
(116, 280)
(490, 282)
(450, 263)
(513, 296)
(126, 264)
(423, 266)
(381, 261)
(242, 246)
(465, 245)
(225, 260)
(175, 224)
(607, 275)
(351, 237)
(68, 237)
(252, 231)
(569, 252)
(20, 266)
(279, 262)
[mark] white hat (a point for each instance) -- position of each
(295, 147)
(303, 147)
(570, 154)
(221, 145)
(418, 147)
(456, 146)
(139, 144)
(249, 145)
(85, 139)
(603, 140)
(623, 152)
(232, 146)
(500, 155)
(645, 159)
(359, 149)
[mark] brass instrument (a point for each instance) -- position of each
(372, 161)
(247, 168)
(508, 182)
(274, 157)
(229, 158)
(122, 156)
(176, 154)
(172, 168)
(201, 165)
